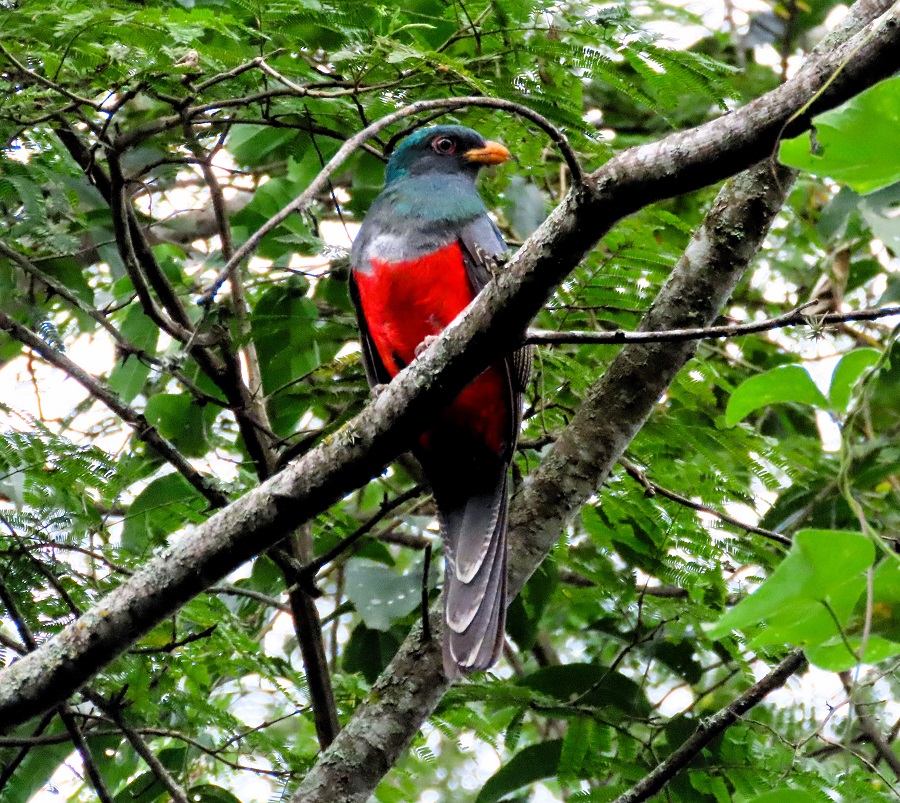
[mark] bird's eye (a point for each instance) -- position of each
(444, 145)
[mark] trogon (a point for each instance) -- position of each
(424, 251)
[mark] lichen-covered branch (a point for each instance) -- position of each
(492, 326)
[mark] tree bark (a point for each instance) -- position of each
(491, 326)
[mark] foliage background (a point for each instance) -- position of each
(611, 662)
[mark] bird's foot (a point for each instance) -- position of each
(429, 339)
(376, 390)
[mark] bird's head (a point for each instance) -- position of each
(450, 149)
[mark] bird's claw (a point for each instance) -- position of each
(429, 339)
(376, 390)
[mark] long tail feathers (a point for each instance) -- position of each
(475, 581)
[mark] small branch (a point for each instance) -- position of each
(174, 645)
(870, 728)
(84, 750)
(124, 345)
(652, 488)
(308, 628)
(792, 318)
(156, 767)
(319, 182)
(40, 79)
(12, 611)
(102, 392)
(125, 240)
(708, 729)
(426, 568)
(235, 591)
(312, 568)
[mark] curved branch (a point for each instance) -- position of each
(710, 728)
(490, 327)
(793, 318)
(319, 182)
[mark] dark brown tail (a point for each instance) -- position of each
(475, 580)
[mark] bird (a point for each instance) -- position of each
(425, 249)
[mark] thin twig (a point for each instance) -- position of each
(124, 344)
(236, 591)
(102, 392)
(708, 729)
(312, 568)
(156, 767)
(793, 318)
(869, 727)
(652, 488)
(84, 750)
(40, 79)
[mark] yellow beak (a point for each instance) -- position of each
(493, 153)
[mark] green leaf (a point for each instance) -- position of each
(183, 420)
(786, 796)
(160, 509)
(787, 383)
(530, 764)
(381, 596)
(208, 793)
(847, 373)
(575, 747)
(820, 579)
(856, 143)
(129, 374)
(369, 651)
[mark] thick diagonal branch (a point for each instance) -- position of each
(492, 326)
(711, 728)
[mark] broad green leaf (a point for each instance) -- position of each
(822, 572)
(856, 143)
(380, 594)
(183, 420)
(786, 796)
(838, 656)
(368, 651)
(532, 763)
(164, 506)
(879, 211)
(129, 374)
(847, 373)
(787, 383)
(208, 793)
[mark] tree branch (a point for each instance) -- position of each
(102, 392)
(490, 327)
(793, 318)
(356, 141)
(156, 767)
(710, 728)
(652, 488)
(870, 728)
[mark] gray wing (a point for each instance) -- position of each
(484, 252)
